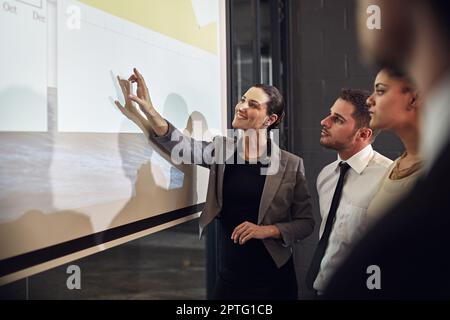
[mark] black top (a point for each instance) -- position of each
(249, 264)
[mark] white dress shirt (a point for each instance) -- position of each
(435, 123)
(367, 169)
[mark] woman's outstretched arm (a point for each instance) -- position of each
(158, 129)
(153, 121)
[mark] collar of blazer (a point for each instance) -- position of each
(275, 173)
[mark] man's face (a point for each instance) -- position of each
(390, 45)
(339, 128)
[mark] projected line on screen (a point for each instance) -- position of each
(184, 19)
(123, 34)
(115, 47)
(33, 3)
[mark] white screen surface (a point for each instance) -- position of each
(23, 65)
(106, 46)
(88, 169)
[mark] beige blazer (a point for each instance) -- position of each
(285, 201)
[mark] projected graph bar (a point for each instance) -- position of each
(33, 3)
(102, 50)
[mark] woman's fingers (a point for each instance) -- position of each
(238, 230)
(132, 78)
(244, 232)
(242, 225)
(240, 233)
(119, 105)
(244, 235)
(247, 237)
(131, 113)
(233, 233)
(137, 100)
(125, 85)
(138, 75)
(121, 85)
(141, 98)
(126, 111)
(141, 81)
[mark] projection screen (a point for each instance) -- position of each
(76, 176)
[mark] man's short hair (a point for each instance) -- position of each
(358, 98)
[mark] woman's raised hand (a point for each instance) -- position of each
(129, 109)
(150, 120)
(142, 97)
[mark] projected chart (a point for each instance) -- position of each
(34, 3)
(71, 165)
(23, 78)
(190, 21)
(178, 58)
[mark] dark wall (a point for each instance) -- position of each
(323, 59)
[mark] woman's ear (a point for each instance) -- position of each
(415, 99)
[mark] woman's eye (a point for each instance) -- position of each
(380, 92)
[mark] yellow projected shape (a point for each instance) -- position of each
(173, 18)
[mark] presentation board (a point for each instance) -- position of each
(76, 176)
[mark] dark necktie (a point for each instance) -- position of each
(323, 242)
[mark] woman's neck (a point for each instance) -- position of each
(410, 139)
(255, 143)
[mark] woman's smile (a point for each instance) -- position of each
(240, 116)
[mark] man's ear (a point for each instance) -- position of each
(365, 133)
(272, 119)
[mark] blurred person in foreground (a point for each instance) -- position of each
(405, 255)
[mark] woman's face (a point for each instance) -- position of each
(251, 111)
(392, 104)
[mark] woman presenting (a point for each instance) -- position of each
(260, 215)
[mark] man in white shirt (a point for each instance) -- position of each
(409, 246)
(347, 131)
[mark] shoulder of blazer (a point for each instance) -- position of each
(294, 163)
(291, 158)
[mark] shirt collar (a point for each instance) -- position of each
(436, 131)
(359, 161)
